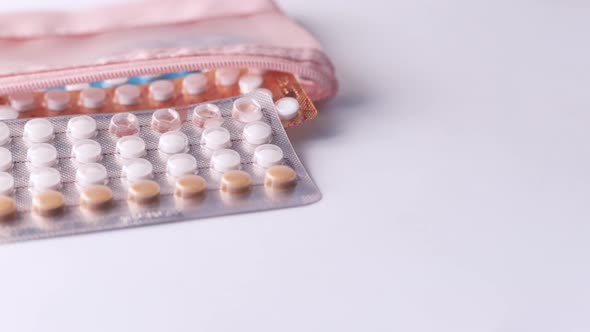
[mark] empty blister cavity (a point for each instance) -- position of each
(130, 147)
(124, 124)
(225, 160)
(227, 76)
(165, 120)
(173, 142)
(87, 151)
(38, 131)
(137, 169)
(93, 98)
(45, 178)
(42, 155)
(181, 164)
(287, 108)
(4, 133)
(127, 95)
(247, 109)
(5, 159)
(216, 138)
(6, 183)
(268, 155)
(57, 100)
(90, 174)
(22, 101)
(161, 90)
(194, 84)
(207, 115)
(81, 127)
(250, 82)
(8, 113)
(257, 133)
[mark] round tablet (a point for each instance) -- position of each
(96, 197)
(216, 138)
(165, 120)
(5, 159)
(190, 186)
(265, 91)
(236, 182)
(45, 178)
(207, 115)
(42, 155)
(77, 87)
(280, 177)
(127, 95)
(87, 151)
(246, 109)
(81, 127)
(181, 164)
(7, 208)
(22, 101)
(268, 155)
(225, 159)
(173, 142)
(4, 133)
(57, 100)
(249, 82)
(114, 82)
(38, 131)
(124, 124)
(227, 76)
(194, 84)
(257, 133)
(161, 90)
(91, 173)
(138, 169)
(8, 113)
(6, 183)
(129, 147)
(93, 98)
(144, 191)
(287, 107)
(48, 203)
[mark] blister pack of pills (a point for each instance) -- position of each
(82, 173)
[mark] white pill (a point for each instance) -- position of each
(173, 142)
(194, 84)
(4, 133)
(247, 109)
(8, 113)
(6, 183)
(87, 151)
(227, 76)
(93, 98)
(131, 147)
(216, 138)
(161, 90)
(42, 155)
(81, 127)
(114, 82)
(249, 82)
(127, 95)
(92, 173)
(268, 155)
(287, 107)
(57, 100)
(77, 87)
(5, 159)
(137, 169)
(181, 164)
(257, 133)
(45, 178)
(225, 160)
(22, 102)
(38, 131)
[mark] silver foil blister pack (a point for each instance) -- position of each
(121, 212)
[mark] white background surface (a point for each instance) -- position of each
(455, 171)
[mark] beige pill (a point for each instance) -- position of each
(190, 186)
(144, 191)
(280, 177)
(48, 203)
(236, 182)
(96, 197)
(7, 208)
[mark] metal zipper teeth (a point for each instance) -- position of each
(305, 69)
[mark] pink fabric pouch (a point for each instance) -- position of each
(41, 50)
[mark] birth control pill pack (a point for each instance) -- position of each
(82, 173)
